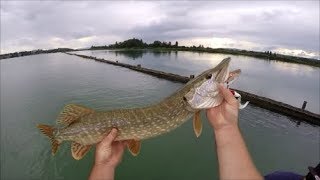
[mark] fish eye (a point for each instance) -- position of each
(208, 76)
(184, 98)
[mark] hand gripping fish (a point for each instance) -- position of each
(84, 126)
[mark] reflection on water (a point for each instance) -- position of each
(137, 53)
(293, 68)
(35, 88)
(130, 54)
(285, 82)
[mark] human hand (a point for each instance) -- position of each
(108, 151)
(226, 114)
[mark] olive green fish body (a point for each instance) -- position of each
(84, 126)
(138, 123)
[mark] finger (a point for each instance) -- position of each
(227, 95)
(118, 147)
(121, 146)
(107, 141)
(125, 144)
(211, 111)
(117, 150)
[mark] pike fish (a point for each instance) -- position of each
(85, 127)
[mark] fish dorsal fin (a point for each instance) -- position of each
(71, 113)
(78, 150)
(134, 146)
(197, 124)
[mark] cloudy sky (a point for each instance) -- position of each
(290, 27)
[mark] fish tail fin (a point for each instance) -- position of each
(48, 131)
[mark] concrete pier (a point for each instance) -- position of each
(282, 108)
(266, 103)
(159, 74)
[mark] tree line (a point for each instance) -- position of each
(138, 43)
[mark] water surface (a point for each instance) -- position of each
(286, 82)
(34, 90)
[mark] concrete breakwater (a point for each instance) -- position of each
(159, 74)
(266, 103)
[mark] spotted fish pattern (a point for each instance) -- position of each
(85, 127)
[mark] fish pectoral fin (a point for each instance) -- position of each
(134, 146)
(197, 124)
(71, 113)
(78, 150)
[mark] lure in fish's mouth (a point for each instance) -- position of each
(238, 97)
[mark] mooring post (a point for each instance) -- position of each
(304, 105)
(191, 76)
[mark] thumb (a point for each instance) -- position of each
(227, 95)
(107, 141)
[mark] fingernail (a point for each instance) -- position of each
(114, 131)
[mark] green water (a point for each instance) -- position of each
(285, 82)
(35, 88)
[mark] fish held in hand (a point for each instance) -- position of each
(85, 127)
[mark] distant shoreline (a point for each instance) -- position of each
(259, 55)
(33, 52)
(136, 44)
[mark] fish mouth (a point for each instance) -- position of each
(205, 93)
(223, 72)
(205, 96)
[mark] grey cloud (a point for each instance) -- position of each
(270, 48)
(270, 24)
(78, 34)
(264, 26)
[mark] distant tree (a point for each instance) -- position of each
(130, 43)
(176, 45)
(164, 44)
(169, 44)
(156, 44)
(200, 46)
